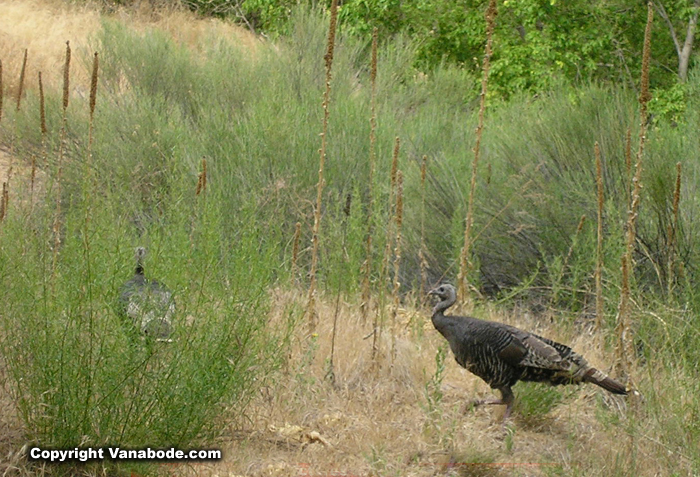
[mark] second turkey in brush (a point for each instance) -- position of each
(502, 355)
(147, 304)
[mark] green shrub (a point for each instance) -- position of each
(78, 377)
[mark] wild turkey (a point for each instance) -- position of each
(502, 355)
(147, 303)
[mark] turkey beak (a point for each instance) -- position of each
(433, 292)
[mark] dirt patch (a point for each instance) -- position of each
(5, 162)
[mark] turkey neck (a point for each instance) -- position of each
(139, 267)
(439, 319)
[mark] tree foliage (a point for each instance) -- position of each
(538, 43)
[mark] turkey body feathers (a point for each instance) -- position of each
(147, 303)
(502, 355)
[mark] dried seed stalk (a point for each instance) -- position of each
(42, 125)
(22, 72)
(42, 107)
(91, 121)
(367, 265)
(328, 58)
(4, 202)
(93, 85)
(2, 91)
(491, 13)
(202, 178)
(625, 348)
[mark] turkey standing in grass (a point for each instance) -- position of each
(502, 355)
(147, 303)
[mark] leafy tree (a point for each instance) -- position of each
(680, 16)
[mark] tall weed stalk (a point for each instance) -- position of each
(491, 12)
(328, 58)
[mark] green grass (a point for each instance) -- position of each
(534, 402)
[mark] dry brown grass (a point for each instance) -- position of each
(43, 27)
(22, 20)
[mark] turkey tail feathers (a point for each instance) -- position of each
(604, 381)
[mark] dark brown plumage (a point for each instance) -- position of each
(502, 355)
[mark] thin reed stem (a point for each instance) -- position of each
(295, 252)
(565, 263)
(491, 13)
(346, 216)
(398, 220)
(88, 186)
(20, 91)
(32, 178)
(61, 152)
(628, 152)
(599, 304)
(311, 306)
(2, 91)
(673, 232)
(392, 208)
(367, 265)
(379, 315)
(422, 250)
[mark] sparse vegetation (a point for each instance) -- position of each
(121, 168)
